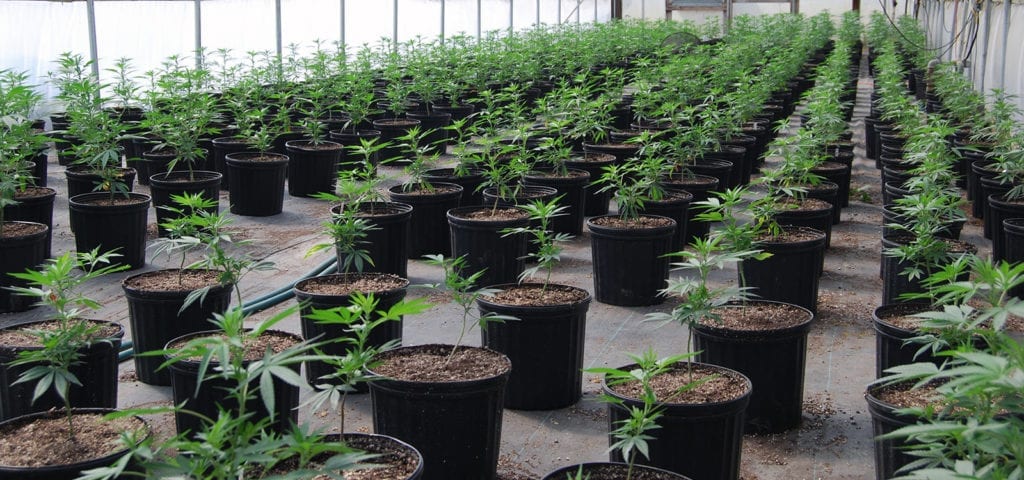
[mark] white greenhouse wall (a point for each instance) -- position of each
(997, 59)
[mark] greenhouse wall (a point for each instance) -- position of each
(989, 39)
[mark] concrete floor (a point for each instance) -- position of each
(833, 442)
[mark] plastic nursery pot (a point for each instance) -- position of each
(890, 455)
(456, 424)
(675, 205)
(222, 146)
(893, 345)
(702, 441)
(791, 273)
(1013, 235)
(612, 470)
(385, 450)
(470, 183)
(312, 168)
(700, 187)
(428, 226)
(155, 318)
(895, 283)
(545, 344)
(812, 213)
(256, 183)
(35, 205)
(387, 243)
(19, 252)
(97, 372)
(571, 189)
(774, 360)
(630, 266)
(480, 238)
(212, 394)
(163, 185)
(1000, 209)
(119, 225)
(70, 471)
(595, 202)
(82, 179)
(307, 293)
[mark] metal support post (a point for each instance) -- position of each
(198, 11)
(90, 13)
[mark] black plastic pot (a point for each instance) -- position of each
(819, 218)
(18, 254)
(36, 207)
(382, 447)
(350, 160)
(155, 162)
(433, 124)
(212, 394)
(572, 192)
(621, 151)
(595, 202)
(545, 345)
(829, 192)
(390, 331)
(979, 169)
(991, 186)
(1000, 209)
(892, 345)
(221, 148)
(1013, 235)
(69, 471)
(630, 266)
(256, 183)
(97, 372)
(736, 157)
(81, 179)
(612, 470)
(312, 168)
(890, 454)
(701, 441)
(890, 217)
(387, 242)
(676, 205)
(700, 187)
(839, 174)
(155, 318)
(428, 227)
(472, 194)
(500, 256)
(163, 185)
(455, 425)
(895, 283)
(773, 360)
(791, 273)
(720, 169)
(390, 129)
(98, 224)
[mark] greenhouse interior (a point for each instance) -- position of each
(511, 239)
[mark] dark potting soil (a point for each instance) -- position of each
(537, 295)
(434, 363)
(115, 200)
(257, 157)
(555, 174)
(46, 441)
(416, 189)
(347, 284)
(393, 463)
(807, 204)
(496, 215)
(173, 280)
(255, 348)
(683, 181)
(952, 246)
(618, 472)
(593, 157)
(32, 192)
(903, 396)
(641, 222)
(791, 236)
(21, 336)
(320, 147)
(757, 316)
(904, 317)
(378, 211)
(717, 386)
(15, 230)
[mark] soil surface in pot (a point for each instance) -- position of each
(116, 200)
(347, 284)
(310, 146)
(416, 189)
(902, 395)
(640, 222)
(393, 462)
(377, 211)
(173, 280)
(44, 441)
(435, 363)
(21, 229)
(495, 215)
(537, 295)
(904, 317)
(806, 204)
(22, 337)
(32, 192)
(618, 472)
(593, 157)
(257, 157)
(255, 348)
(555, 174)
(715, 386)
(757, 316)
(791, 236)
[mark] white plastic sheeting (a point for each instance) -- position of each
(1003, 61)
(34, 33)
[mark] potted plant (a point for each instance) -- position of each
(550, 169)
(545, 343)
(430, 201)
(629, 249)
(313, 165)
(75, 355)
(445, 400)
(668, 409)
(256, 178)
(168, 303)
